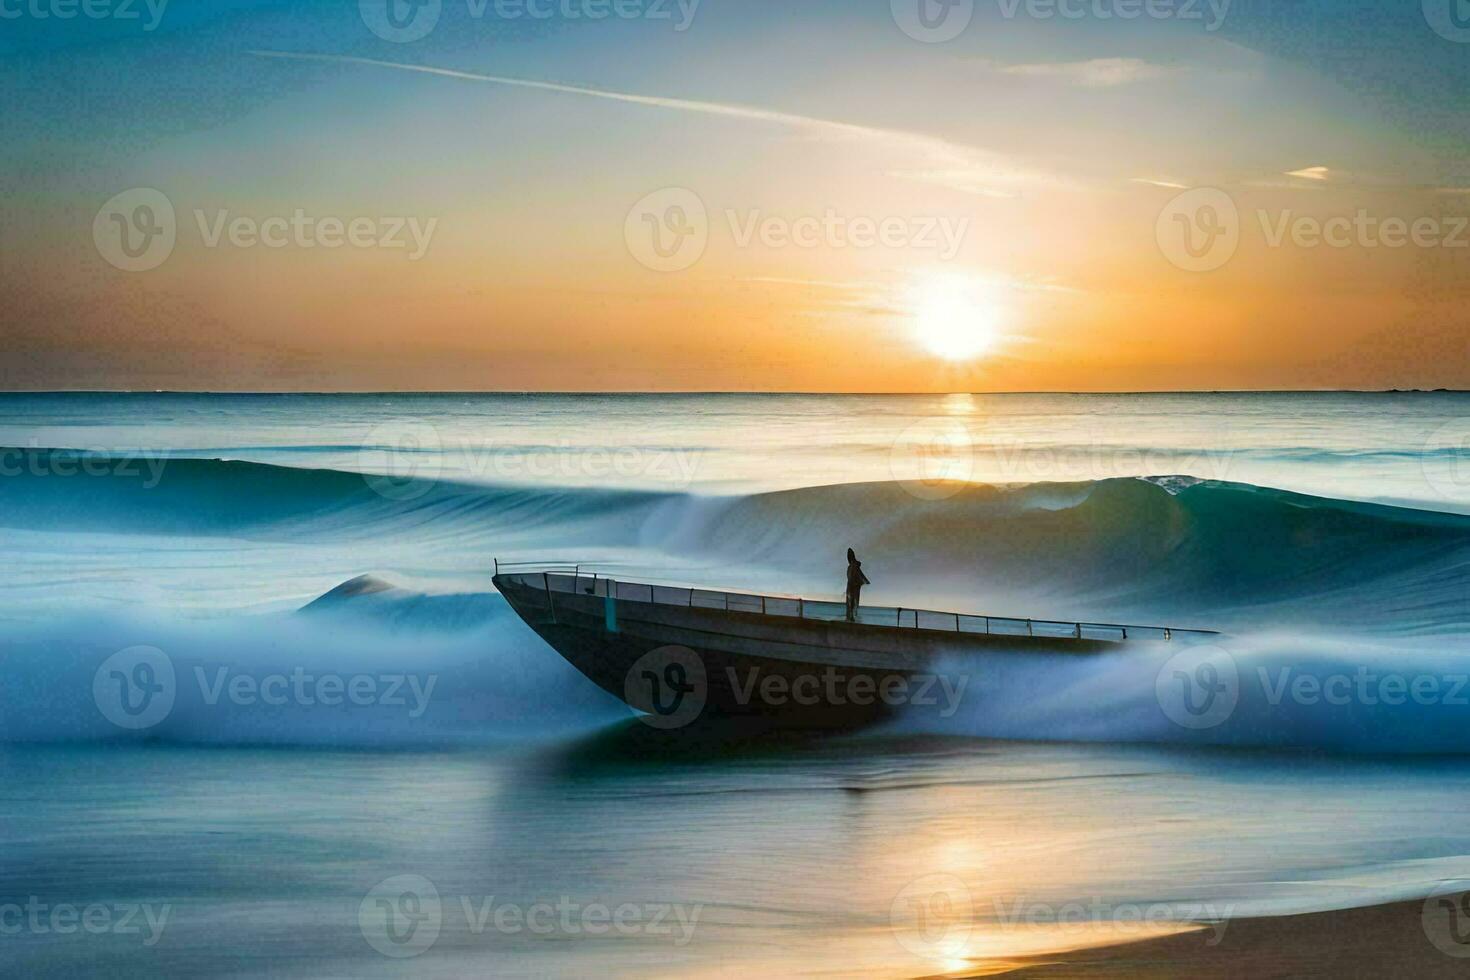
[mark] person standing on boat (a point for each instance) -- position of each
(855, 582)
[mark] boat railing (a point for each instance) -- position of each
(572, 578)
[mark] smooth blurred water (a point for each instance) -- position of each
(1412, 447)
(923, 846)
(768, 858)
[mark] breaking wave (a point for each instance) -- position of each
(1315, 587)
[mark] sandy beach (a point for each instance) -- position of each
(1378, 941)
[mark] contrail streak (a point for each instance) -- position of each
(689, 105)
(967, 164)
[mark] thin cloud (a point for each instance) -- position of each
(950, 164)
(1158, 183)
(1094, 73)
(1311, 173)
(812, 283)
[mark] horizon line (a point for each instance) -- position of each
(721, 391)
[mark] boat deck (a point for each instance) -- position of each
(582, 580)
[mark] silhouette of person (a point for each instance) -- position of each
(855, 582)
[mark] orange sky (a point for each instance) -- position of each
(621, 209)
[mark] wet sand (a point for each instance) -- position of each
(1378, 941)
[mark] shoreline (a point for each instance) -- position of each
(1371, 941)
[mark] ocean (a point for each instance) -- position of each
(404, 779)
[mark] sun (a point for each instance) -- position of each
(956, 317)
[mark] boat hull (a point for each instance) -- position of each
(679, 663)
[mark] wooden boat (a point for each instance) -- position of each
(679, 652)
